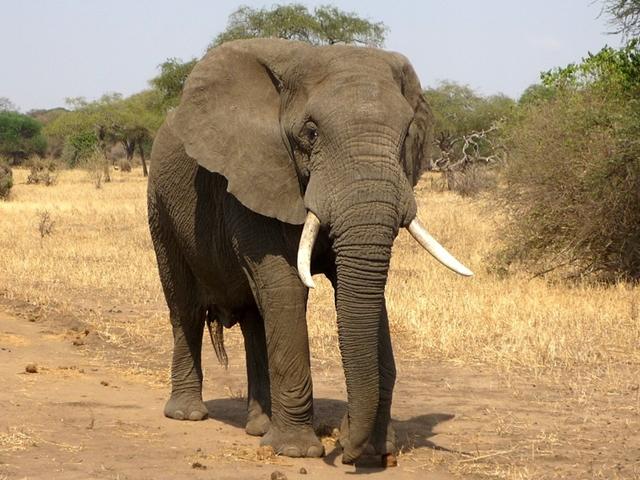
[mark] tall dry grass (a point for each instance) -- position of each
(98, 256)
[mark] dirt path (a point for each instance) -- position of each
(78, 418)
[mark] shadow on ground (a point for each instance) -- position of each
(411, 434)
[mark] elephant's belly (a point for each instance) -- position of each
(222, 282)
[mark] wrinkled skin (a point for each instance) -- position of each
(266, 131)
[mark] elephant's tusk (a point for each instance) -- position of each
(307, 240)
(434, 248)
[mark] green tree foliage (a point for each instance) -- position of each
(111, 119)
(459, 110)
(624, 16)
(20, 136)
(536, 93)
(327, 25)
(170, 82)
(572, 183)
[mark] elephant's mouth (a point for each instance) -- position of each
(415, 228)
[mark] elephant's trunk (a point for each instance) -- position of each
(366, 219)
(362, 261)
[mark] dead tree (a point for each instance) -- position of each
(459, 154)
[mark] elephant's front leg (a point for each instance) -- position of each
(282, 299)
(259, 392)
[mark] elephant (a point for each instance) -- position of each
(284, 160)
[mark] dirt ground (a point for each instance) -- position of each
(84, 415)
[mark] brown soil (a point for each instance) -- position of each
(85, 415)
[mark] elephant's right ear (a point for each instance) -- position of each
(229, 122)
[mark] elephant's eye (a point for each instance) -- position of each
(310, 132)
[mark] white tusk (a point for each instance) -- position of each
(434, 248)
(307, 240)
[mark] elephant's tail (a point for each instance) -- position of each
(217, 338)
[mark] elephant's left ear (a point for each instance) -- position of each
(416, 151)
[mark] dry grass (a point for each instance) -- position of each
(99, 257)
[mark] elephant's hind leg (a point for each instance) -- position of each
(259, 400)
(187, 320)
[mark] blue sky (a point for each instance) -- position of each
(53, 49)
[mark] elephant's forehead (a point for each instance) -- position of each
(354, 59)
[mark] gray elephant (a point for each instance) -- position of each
(281, 161)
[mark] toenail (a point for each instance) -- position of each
(315, 451)
(291, 452)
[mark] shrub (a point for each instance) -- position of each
(42, 172)
(97, 168)
(471, 181)
(45, 223)
(6, 179)
(572, 186)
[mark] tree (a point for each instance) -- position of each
(20, 136)
(138, 118)
(466, 124)
(326, 26)
(111, 119)
(336, 26)
(624, 16)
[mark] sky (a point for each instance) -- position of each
(54, 49)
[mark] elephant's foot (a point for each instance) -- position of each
(257, 424)
(185, 406)
(294, 442)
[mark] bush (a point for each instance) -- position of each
(471, 181)
(572, 186)
(98, 169)
(42, 172)
(6, 179)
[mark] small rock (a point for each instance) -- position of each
(104, 383)
(303, 470)
(198, 466)
(278, 475)
(78, 342)
(31, 368)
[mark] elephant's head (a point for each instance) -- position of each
(331, 137)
